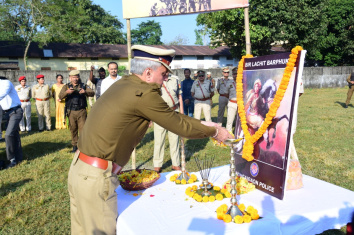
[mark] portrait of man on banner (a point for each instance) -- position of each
(259, 91)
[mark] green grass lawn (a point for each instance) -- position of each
(34, 197)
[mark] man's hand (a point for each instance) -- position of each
(82, 91)
(222, 134)
(92, 67)
(70, 91)
(186, 101)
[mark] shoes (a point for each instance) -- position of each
(176, 168)
(74, 149)
(40, 131)
(157, 169)
(48, 130)
(346, 106)
(2, 164)
(12, 164)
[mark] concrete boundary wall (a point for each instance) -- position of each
(313, 77)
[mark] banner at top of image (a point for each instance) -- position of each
(149, 8)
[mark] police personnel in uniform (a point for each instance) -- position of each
(171, 94)
(115, 126)
(202, 91)
(75, 94)
(24, 93)
(41, 93)
(232, 105)
(222, 87)
(350, 81)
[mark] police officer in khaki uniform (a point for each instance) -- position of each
(350, 81)
(222, 87)
(171, 94)
(202, 91)
(232, 105)
(210, 78)
(41, 93)
(24, 93)
(75, 94)
(116, 124)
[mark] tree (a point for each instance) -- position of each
(148, 33)
(179, 40)
(198, 36)
(309, 23)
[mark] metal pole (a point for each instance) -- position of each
(247, 32)
(129, 45)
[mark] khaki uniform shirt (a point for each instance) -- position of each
(41, 91)
(119, 120)
(222, 86)
(24, 93)
(202, 90)
(171, 89)
(63, 94)
(231, 89)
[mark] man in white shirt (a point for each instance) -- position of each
(112, 78)
(24, 93)
(11, 106)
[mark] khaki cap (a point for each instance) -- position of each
(195, 71)
(163, 56)
(226, 69)
(208, 73)
(74, 73)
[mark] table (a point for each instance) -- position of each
(166, 209)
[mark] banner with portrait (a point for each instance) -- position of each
(261, 79)
(149, 8)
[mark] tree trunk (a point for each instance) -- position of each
(25, 55)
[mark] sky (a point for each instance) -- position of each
(171, 26)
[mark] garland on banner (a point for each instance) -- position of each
(248, 146)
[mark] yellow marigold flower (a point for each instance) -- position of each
(241, 207)
(227, 218)
(172, 178)
(176, 175)
(183, 181)
(250, 209)
(191, 194)
(247, 218)
(222, 209)
(254, 215)
(135, 194)
(205, 199)
(201, 185)
(189, 189)
(190, 181)
(195, 196)
(216, 188)
(228, 195)
(199, 198)
(194, 187)
(223, 191)
(178, 181)
(194, 177)
(238, 219)
(219, 197)
(220, 216)
(211, 198)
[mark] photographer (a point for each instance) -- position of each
(75, 94)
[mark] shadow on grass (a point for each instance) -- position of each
(343, 104)
(194, 146)
(144, 162)
(11, 187)
(147, 138)
(39, 149)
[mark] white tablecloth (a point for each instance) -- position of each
(165, 209)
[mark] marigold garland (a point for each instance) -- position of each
(220, 194)
(193, 178)
(248, 215)
(248, 146)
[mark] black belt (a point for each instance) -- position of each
(11, 109)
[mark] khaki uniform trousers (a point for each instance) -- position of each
(349, 95)
(159, 146)
(231, 114)
(206, 106)
(26, 106)
(223, 101)
(43, 110)
(76, 123)
(93, 200)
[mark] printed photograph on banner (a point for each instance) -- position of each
(260, 87)
(148, 8)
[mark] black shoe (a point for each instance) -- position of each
(346, 106)
(2, 165)
(48, 130)
(40, 131)
(12, 164)
(74, 149)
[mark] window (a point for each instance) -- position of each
(216, 57)
(47, 52)
(200, 57)
(94, 58)
(71, 58)
(178, 57)
(46, 68)
(72, 68)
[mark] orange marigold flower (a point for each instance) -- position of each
(135, 194)
(238, 219)
(247, 218)
(220, 216)
(254, 215)
(227, 218)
